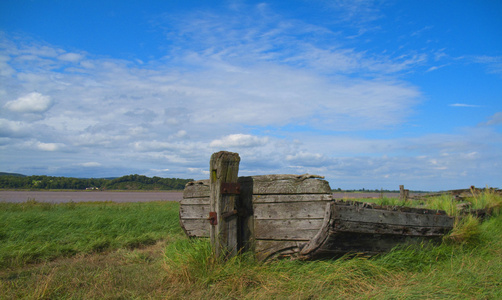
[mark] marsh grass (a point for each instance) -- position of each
(465, 266)
(32, 232)
(470, 268)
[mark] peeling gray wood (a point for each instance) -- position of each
(318, 240)
(196, 227)
(384, 228)
(289, 184)
(292, 229)
(223, 168)
(195, 212)
(291, 198)
(266, 249)
(195, 201)
(290, 210)
(196, 189)
(355, 214)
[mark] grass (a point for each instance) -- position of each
(168, 265)
(33, 232)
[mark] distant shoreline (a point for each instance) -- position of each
(64, 196)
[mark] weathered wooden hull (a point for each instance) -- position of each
(296, 215)
(355, 227)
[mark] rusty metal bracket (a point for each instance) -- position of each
(228, 214)
(228, 188)
(213, 218)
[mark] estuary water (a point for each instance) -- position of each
(89, 196)
(126, 196)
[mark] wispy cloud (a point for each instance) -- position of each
(493, 63)
(464, 105)
(495, 119)
(238, 140)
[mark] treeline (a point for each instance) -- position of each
(128, 182)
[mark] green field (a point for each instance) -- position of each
(138, 251)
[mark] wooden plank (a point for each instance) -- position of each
(266, 249)
(292, 198)
(389, 229)
(195, 201)
(303, 229)
(289, 184)
(322, 235)
(369, 205)
(223, 168)
(356, 214)
(195, 212)
(267, 184)
(349, 242)
(196, 189)
(291, 210)
(196, 227)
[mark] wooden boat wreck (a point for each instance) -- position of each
(296, 216)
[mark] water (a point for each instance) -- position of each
(87, 196)
(126, 196)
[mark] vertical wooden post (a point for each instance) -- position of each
(404, 194)
(224, 169)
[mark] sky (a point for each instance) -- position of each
(369, 94)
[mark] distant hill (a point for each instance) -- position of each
(128, 182)
(11, 174)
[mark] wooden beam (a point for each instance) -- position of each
(223, 168)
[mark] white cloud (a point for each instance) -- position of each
(239, 140)
(51, 147)
(90, 164)
(71, 57)
(463, 105)
(152, 146)
(307, 159)
(10, 128)
(31, 103)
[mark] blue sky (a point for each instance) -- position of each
(369, 94)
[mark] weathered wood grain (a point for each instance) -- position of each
(291, 198)
(291, 229)
(196, 227)
(355, 214)
(384, 228)
(223, 168)
(322, 234)
(290, 210)
(195, 212)
(288, 184)
(267, 184)
(196, 189)
(195, 201)
(341, 243)
(266, 249)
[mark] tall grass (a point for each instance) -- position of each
(465, 266)
(468, 269)
(35, 232)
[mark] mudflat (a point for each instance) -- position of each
(127, 196)
(88, 196)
